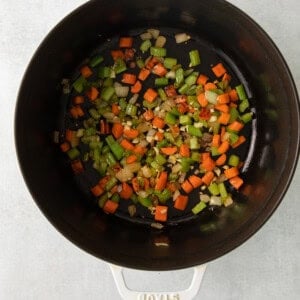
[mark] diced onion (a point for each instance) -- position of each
(122, 91)
(204, 198)
(160, 41)
(133, 99)
(181, 37)
(154, 32)
(146, 36)
(215, 200)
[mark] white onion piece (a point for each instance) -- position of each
(160, 41)
(215, 200)
(181, 37)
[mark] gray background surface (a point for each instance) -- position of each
(36, 262)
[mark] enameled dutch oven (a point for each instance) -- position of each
(272, 153)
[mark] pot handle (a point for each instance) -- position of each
(128, 294)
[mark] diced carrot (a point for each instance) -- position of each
(135, 184)
(131, 159)
(208, 177)
(136, 88)
(158, 122)
(131, 133)
(161, 213)
(69, 135)
(226, 77)
(77, 166)
(172, 186)
(224, 118)
(126, 145)
(222, 107)
(126, 191)
(103, 181)
(223, 147)
(97, 190)
(79, 110)
(202, 100)
(129, 78)
(148, 115)
(223, 131)
(170, 90)
(232, 104)
(182, 108)
(209, 86)
(168, 150)
(236, 126)
(110, 206)
(104, 127)
(195, 181)
(78, 100)
(117, 54)
(86, 71)
(240, 141)
(216, 140)
(175, 130)
(144, 73)
(236, 182)
(92, 93)
(184, 150)
(129, 54)
(231, 172)
(221, 160)
(161, 181)
(219, 70)
(159, 70)
(181, 202)
(115, 109)
(73, 112)
(233, 95)
(207, 163)
(150, 95)
(151, 62)
(138, 149)
(159, 136)
(125, 42)
(114, 189)
(65, 146)
(187, 186)
(223, 98)
(202, 79)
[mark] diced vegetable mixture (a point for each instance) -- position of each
(156, 130)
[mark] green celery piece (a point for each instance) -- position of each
(170, 118)
(160, 159)
(183, 89)
(115, 197)
(157, 51)
(234, 114)
(194, 143)
(145, 46)
(145, 201)
(243, 105)
(185, 120)
(79, 84)
(96, 60)
(107, 93)
(104, 72)
(194, 131)
(111, 183)
(162, 94)
(170, 62)
(179, 77)
(198, 207)
(247, 117)
(185, 164)
(161, 81)
(164, 196)
(73, 153)
(214, 189)
(222, 190)
(194, 58)
(115, 148)
(211, 97)
(119, 66)
(233, 160)
(241, 92)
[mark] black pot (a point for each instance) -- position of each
(272, 154)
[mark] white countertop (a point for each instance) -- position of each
(36, 262)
